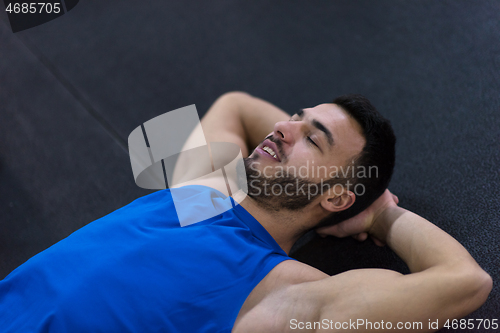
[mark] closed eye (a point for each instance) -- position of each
(307, 137)
(311, 140)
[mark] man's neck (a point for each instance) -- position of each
(284, 226)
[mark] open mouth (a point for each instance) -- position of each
(270, 151)
(268, 147)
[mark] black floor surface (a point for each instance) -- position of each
(72, 90)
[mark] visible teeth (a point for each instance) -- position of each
(270, 151)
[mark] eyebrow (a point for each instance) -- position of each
(319, 126)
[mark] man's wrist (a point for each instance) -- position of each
(383, 222)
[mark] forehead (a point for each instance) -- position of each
(346, 131)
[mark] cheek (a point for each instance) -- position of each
(302, 158)
(299, 156)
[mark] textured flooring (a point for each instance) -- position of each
(72, 90)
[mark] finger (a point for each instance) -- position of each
(395, 198)
(377, 242)
(361, 237)
(330, 231)
(337, 230)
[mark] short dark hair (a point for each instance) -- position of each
(379, 151)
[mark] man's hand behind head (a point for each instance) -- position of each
(360, 225)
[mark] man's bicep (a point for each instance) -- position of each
(235, 117)
(243, 119)
(374, 295)
(223, 121)
(220, 124)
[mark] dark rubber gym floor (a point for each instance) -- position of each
(73, 89)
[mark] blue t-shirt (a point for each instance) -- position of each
(138, 270)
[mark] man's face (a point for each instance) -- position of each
(302, 152)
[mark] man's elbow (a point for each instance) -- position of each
(234, 96)
(477, 284)
(229, 103)
(484, 286)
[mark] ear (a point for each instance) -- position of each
(337, 203)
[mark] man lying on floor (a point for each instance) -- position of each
(138, 270)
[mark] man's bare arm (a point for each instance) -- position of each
(235, 117)
(248, 119)
(446, 282)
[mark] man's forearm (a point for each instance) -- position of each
(436, 257)
(235, 117)
(418, 242)
(257, 116)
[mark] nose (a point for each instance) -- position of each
(284, 131)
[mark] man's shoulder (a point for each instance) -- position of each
(292, 272)
(264, 308)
